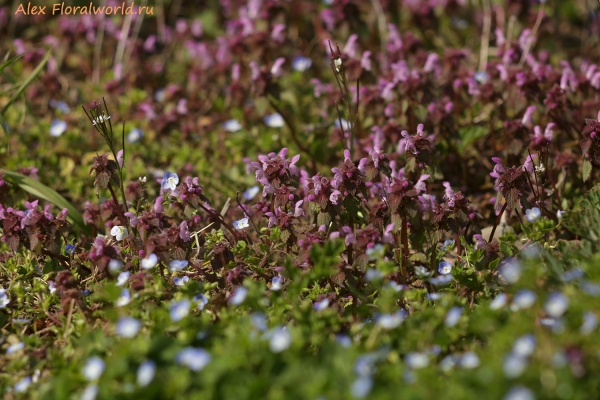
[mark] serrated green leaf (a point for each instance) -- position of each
(587, 170)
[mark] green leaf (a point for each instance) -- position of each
(44, 192)
(469, 135)
(9, 62)
(587, 169)
(24, 85)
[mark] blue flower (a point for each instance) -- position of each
(180, 310)
(560, 214)
(69, 248)
(241, 224)
(590, 323)
(181, 281)
(469, 360)
(280, 339)
(523, 299)
(375, 251)
(93, 369)
(511, 271)
(390, 321)
(201, 300)
(372, 275)
(232, 125)
(60, 105)
(453, 316)
(301, 64)
(343, 340)
(441, 280)
(519, 393)
(532, 214)
(15, 347)
(481, 77)
(250, 193)
(433, 296)
(361, 387)
(169, 181)
(416, 360)
(276, 283)
(149, 262)
(444, 268)
(194, 358)
(321, 305)
(238, 296)
(498, 302)
(135, 135)
(123, 278)
(146, 372)
(447, 244)
(23, 384)
(524, 346)
(274, 121)
(556, 305)
(128, 327)
(57, 128)
(178, 265)
(259, 321)
(124, 298)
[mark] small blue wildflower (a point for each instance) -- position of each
(274, 121)
(201, 300)
(390, 321)
(90, 392)
(343, 340)
(441, 280)
(21, 321)
(514, 365)
(523, 299)
(123, 278)
(115, 266)
(447, 244)
(498, 302)
(593, 289)
(124, 298)
(69, 248)
(276, 283)
(524, 346)
(259, 321)
(519, 393)
(372, 275)
(556, 305)
(375, 251)
(86, 292)
(238, 296)
(395, 286)
(232, 126)
(280, 340)
(481, 77)
(321, 305)
(178, 265)
(169, 181)
(590, 323)
(160, 95)
(93, 369)
(135, 135)
(145, 373)
(469, 360)
(57, 128)
(241, 224)
(250, 193)
(301, 64)
(23, 384)
(128, 327)
(15, 347)
(560, 214)
(179, 310)
(149, 262)
(572, 275)
(433, 296)
(361, 387)
(444, 268)
(181, 281)
(453, 317)
(194, 358)
(532, 214)
(345, 125)
(60, 105)
(447, 363)
(365, 365)
(416, 360)
(511, 271)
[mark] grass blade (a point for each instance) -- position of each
(24, 85)
(42, 191)
(9, 62)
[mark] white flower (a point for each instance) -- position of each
(150, 262)
(122, 278)
(238, 296)
(93, 368)
(540, 169)
(145, 373)
(120, 232)
(169, 181)
(337, 63)
(102, 118)
(142, 179)
(280, 340)
(241, 224)
(128, 327)
(57, 128)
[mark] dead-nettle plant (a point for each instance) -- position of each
(108, 172)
